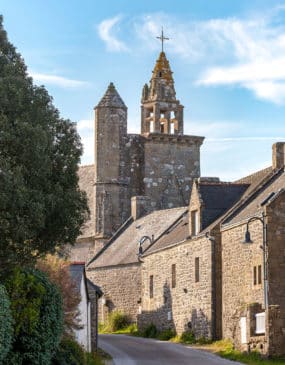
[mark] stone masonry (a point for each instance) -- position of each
(188, 305)
(159, 163)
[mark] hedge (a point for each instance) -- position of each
(6, 324)
(36, 306)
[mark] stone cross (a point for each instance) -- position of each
(162, 38)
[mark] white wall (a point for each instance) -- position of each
(83, 335)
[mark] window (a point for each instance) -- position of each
(254, 276)
(257, 273)
(197, 270)
(173, 276)
(151, 286)
(194, 222)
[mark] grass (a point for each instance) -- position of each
(99, 358)
(224, 348)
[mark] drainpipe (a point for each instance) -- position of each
(213, 279)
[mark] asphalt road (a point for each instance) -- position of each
(127, 350)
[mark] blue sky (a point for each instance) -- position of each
(228, 60)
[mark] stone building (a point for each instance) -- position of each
(165, 245)
(253, 289)
(160, 162)
(181, 271)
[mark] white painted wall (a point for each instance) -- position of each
(83, 335)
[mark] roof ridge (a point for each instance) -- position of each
(248, 198)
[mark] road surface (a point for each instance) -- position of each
(128, 350)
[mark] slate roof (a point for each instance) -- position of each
(252, 204)
(218, 198)
(111, 98)
(86, 183)
(77, 274)
(255, 179)
(124, 249)
(176, 233)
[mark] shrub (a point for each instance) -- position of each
(58, 272)
(166, 334)
(69, 353)
(36, 306)
(118, 321)
(187, 337)
(150, 331)
(6, 324)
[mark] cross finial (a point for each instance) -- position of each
(162, 38)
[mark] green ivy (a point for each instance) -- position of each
(6, 324)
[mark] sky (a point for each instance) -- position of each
(227, 58)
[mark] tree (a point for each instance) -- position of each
(41, 205)
(58, 272)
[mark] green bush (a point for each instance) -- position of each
(150, 331)
(187, 337)
(69, 353)
(166, 334)
(6, 324)
(36, 306)
(118, 321)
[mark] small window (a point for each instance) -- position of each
(161, 127)
(259, 274)
(160, 74)
(254, 275)
(197, 270)
(151, 286)
(194, 222)
(173, 276)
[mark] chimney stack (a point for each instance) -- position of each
(278, 155)
(140, 206)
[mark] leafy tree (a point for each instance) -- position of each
(59, 274)
(6, 324)
(41, 205)
(36, 306)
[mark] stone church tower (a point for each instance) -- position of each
(158, 165)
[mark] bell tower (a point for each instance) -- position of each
(161, 112)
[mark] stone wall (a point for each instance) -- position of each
(238, 261)
(275, 213)
(189, 304)
(275, 328)
(171, 163)
(121, 286)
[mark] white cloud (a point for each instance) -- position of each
(57, 80)
(106, 33)
(85, 128)
(85, 125)
(245, 52)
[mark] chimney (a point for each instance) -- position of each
(278, 155)
(140, 206)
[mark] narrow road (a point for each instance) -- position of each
(128, 350)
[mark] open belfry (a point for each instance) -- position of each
(156, 166)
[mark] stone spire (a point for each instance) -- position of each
(161, 111)
(111, 98)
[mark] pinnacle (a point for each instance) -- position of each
(111, 98)
(162, 68)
